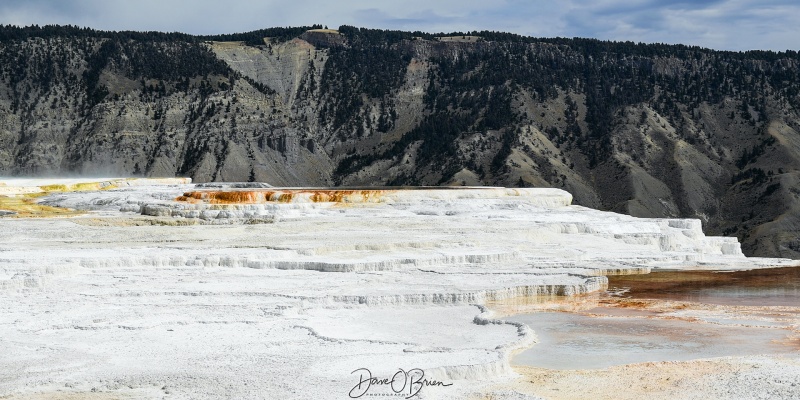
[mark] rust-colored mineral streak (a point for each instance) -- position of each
(283, 196)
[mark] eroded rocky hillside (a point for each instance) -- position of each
(648, 130)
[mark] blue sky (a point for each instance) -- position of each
(718, 24)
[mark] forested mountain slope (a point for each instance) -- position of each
(648, 130)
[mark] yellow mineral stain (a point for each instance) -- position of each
(25, 206)
(78, 187)
(54, 188)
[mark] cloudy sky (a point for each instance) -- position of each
(718, 24)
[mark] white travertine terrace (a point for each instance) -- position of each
(283, 293)
(15, 186)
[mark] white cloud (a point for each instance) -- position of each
(721, 24)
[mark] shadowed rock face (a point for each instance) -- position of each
(651, 131)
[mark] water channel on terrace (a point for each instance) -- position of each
(688, 315)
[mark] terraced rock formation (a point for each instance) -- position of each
(324, 283)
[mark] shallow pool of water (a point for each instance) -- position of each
(606, 335)
(764, 287)
(574, 341)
